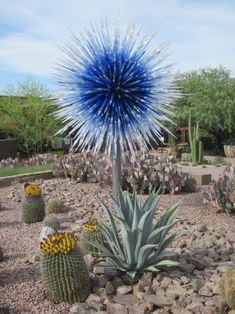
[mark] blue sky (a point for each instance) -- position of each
(199, 33)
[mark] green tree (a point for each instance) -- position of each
(210, 96)
(30, 108)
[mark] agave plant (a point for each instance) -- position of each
(141, 244)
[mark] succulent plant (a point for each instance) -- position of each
(63, 269)
(55, 206)
(91, 232)
(221, 192)
(33, 206)
(227, 287)
(195, 143)
(51, 221)
(141, 245)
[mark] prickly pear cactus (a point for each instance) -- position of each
(52, 222)
(227, 287)
(63, 269)
(33, 206)
(91, 232)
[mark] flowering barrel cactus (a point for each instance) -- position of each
(91, 232)
(63, 268)
(33, 206)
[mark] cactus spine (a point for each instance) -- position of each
(196, 145)
(33, 206)
(91, 232)
(63, 269)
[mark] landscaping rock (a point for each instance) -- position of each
(124, 289)
(94, 302)
(115, 308)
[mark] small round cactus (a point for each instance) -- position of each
(63, 269)
(33, 206)
(54, 206)
(227, 287)
(51, 221)
(91, 232)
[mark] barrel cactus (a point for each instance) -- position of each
(33, 206)
(227, 287)
(51, 221)
(63, 269)
(91, 232)
(54, 206)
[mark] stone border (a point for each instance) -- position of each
(6, 181)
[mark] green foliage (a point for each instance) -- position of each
(33, 209)
(209, 94)
(141, 244)
(4, 172)
(65, 276)
(195, 143)
(55, 206)
(227, 287)
(52, 222)
(29, 108)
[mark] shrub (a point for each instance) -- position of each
(55, 206)
(227, 287)
(141, 245)
(221, 192)
(142, 175)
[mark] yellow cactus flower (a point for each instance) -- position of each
(59, 243)
(32, 190)
(91, 225)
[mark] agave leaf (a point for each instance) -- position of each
(109, 215)
(152, 269)
(154, 257)
(167, 263)
(129, 242)
(169, 215)
(110, 238)
(143, 253)
(106, 253)
(168, 241)
(131, 274)
(156, 233)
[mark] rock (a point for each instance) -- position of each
(179, 310)
(94, 301)
(196, 261)
(115, 308)
(4, 309)
(109, 287)
(80, 308)
(127, 299)
(101, 292)
(231, 237)
(128, 280)
(185, 279)
(197, 284)
(158, 300)
(175, 291)
(188, 268)
(195, 307)
(124, 289)
(136, 309)
(147, 279)
(117, 282)
(32, 257)
(202, 228)
(166, 281)
(89, 260)
(205, 291)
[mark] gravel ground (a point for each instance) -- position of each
(21, 286)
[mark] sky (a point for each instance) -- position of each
(199, 33)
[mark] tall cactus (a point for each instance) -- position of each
(195, 142)
(63, 268)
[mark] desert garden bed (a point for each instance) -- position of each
(206, 251)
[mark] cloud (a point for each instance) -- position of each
(200, 33)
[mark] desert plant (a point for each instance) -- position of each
(33, 206)
(91, 232)
(141, 245)
(221, 192)
(63, 269)
(50, 221)
(55, 206)
(195, 143)
(190, 185)
(227, 287)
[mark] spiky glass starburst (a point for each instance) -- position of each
(115, 89)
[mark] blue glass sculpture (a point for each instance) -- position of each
(115, 90)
